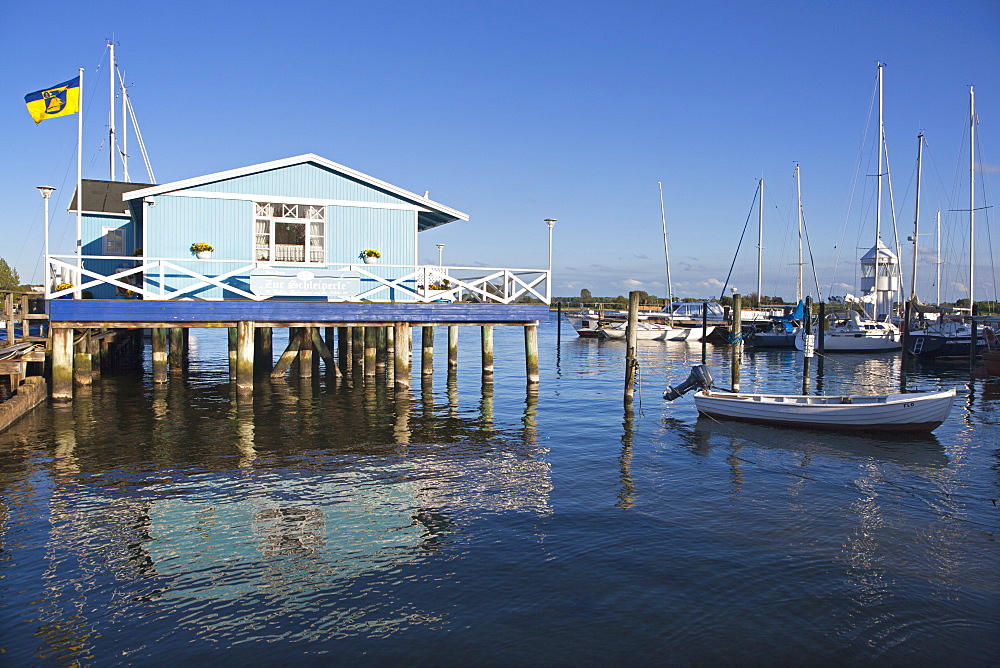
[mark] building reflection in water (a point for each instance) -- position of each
(241, 512)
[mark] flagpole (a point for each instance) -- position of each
(79, 192)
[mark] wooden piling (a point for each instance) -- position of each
(232, 354)
(263, 354)
(306, 352)
(244, 358)
(630, 346)
(323, 350)
(401, 354)
(371, 350)
(176, 355)
(94, 348)
(159, 355)
(452, 347)
(531, 353)
(344, 349)
(487, 347)
(290, 355)
(427, 351)
(358, 348)
(62, 364)
(736, 336)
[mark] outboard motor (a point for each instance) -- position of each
(700, 377)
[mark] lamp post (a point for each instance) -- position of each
(440, 253)
(548, 283)
(46, 193)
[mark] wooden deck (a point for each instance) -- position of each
(131, 314)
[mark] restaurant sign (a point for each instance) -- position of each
(279, 282)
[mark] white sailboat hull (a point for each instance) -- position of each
(894, 412)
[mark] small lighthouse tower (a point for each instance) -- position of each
(880, 274)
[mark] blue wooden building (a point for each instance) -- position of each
(293, 237)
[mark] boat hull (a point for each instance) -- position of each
(892, 413)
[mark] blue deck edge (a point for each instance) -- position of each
(125, 311)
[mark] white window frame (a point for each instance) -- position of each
(112, 235)
(300, 214)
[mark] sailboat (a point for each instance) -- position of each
(950, 336)
(849, 330)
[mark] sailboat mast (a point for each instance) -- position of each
(798, 189)
(111, 113)
(760, 241)
(916, 215)
(937, 281)
(881, 146)
(666, 252)
(972, 197)
(124, 148)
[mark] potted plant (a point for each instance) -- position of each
(61, 287)
(202, 250)
(370, 256)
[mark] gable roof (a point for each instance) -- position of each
(436, 214)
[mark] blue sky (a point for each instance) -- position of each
(519, 111)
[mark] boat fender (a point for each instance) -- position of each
(699, 377)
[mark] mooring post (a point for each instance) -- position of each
(487, 344)
(452, 347)
(232, 354)
(62, 364)
(704, 328)
(736, 337)
(906, 345)
(159, 342)
(244, 358)
(809, 343)
(427, 351)
(531, 353)
(401, 354)
(630, 346)
(558, 322)
(176, 355)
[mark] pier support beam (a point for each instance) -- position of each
(306, 352)
(176, 355)
(531, 353)
(357, 349)
(83, 364)
(401, 354)
(62, 364)
(232, 354)
(487, 345)
(427, 351)
(263, 354)
(244, 358)
(371, 350)
(159, 341)
(344, 349)
(452, 348)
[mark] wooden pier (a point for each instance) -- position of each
(365, 336)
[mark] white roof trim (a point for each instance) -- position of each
(249, 197)
(288, 162)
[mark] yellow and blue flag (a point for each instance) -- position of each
(60, 100)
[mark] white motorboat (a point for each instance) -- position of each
(847, 331)
(654, 331)
(921, 412)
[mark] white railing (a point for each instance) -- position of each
(150, 280)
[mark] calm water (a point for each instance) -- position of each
(462, 525)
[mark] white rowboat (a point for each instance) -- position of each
(893, 412)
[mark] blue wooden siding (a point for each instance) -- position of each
(177, 222)
(215, 313)
(92, 228)
(304, 180)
